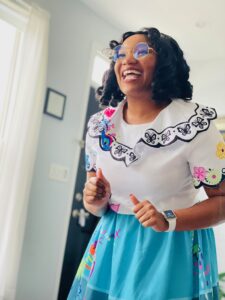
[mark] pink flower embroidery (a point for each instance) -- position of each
(108, 112)
(115, 207)
(200, 173)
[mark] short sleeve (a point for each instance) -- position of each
(90, 154)
(206, 158)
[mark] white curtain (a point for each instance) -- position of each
(18, 141)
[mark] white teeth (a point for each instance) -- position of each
(127, 72)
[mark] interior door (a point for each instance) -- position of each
(81, 224)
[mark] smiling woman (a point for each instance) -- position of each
(155, 175)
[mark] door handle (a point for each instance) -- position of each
(78, 197)
(81, 215)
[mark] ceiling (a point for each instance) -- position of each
(197, 25)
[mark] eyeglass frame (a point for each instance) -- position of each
(110, 52)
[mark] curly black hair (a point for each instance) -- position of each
(170, 79)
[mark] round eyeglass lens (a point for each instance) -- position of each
(119, 52)
(140, 50)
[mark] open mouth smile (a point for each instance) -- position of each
(131, 74)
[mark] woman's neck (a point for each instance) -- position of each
(142, 110)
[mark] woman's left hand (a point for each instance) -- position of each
(148, 215)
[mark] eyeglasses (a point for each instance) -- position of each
(120, 52)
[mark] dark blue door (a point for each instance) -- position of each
(81, 224)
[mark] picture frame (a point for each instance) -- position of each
(55, 103)
(220, 124)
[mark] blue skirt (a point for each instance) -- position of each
(126, 261)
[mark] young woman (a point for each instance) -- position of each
(155, 173)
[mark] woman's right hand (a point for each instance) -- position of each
(97, 190)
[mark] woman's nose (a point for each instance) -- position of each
(129, 58)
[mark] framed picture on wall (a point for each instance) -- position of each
(54, 103)
(220, 124)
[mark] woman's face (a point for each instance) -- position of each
(138, 81)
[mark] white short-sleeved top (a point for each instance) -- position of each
(167, 161)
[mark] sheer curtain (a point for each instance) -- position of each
(19, 130)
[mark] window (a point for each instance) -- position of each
(10, 40)
(100, 66)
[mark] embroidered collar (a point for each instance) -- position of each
(102, 126)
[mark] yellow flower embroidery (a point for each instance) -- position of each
(220, 151)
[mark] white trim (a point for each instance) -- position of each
(15, 14)
(18, 5)
(23, 4)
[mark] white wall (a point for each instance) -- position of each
(208, 78)
(73, 29)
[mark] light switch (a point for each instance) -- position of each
(58, 173)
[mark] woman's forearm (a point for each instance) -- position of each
(202, 215)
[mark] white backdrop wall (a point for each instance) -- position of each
(73, 29)
(208, 78)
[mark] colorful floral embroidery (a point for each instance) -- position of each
(101, 126)
(207, 177)
(87, 265)
(104, 130)
(201, 268)
(220, 151)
